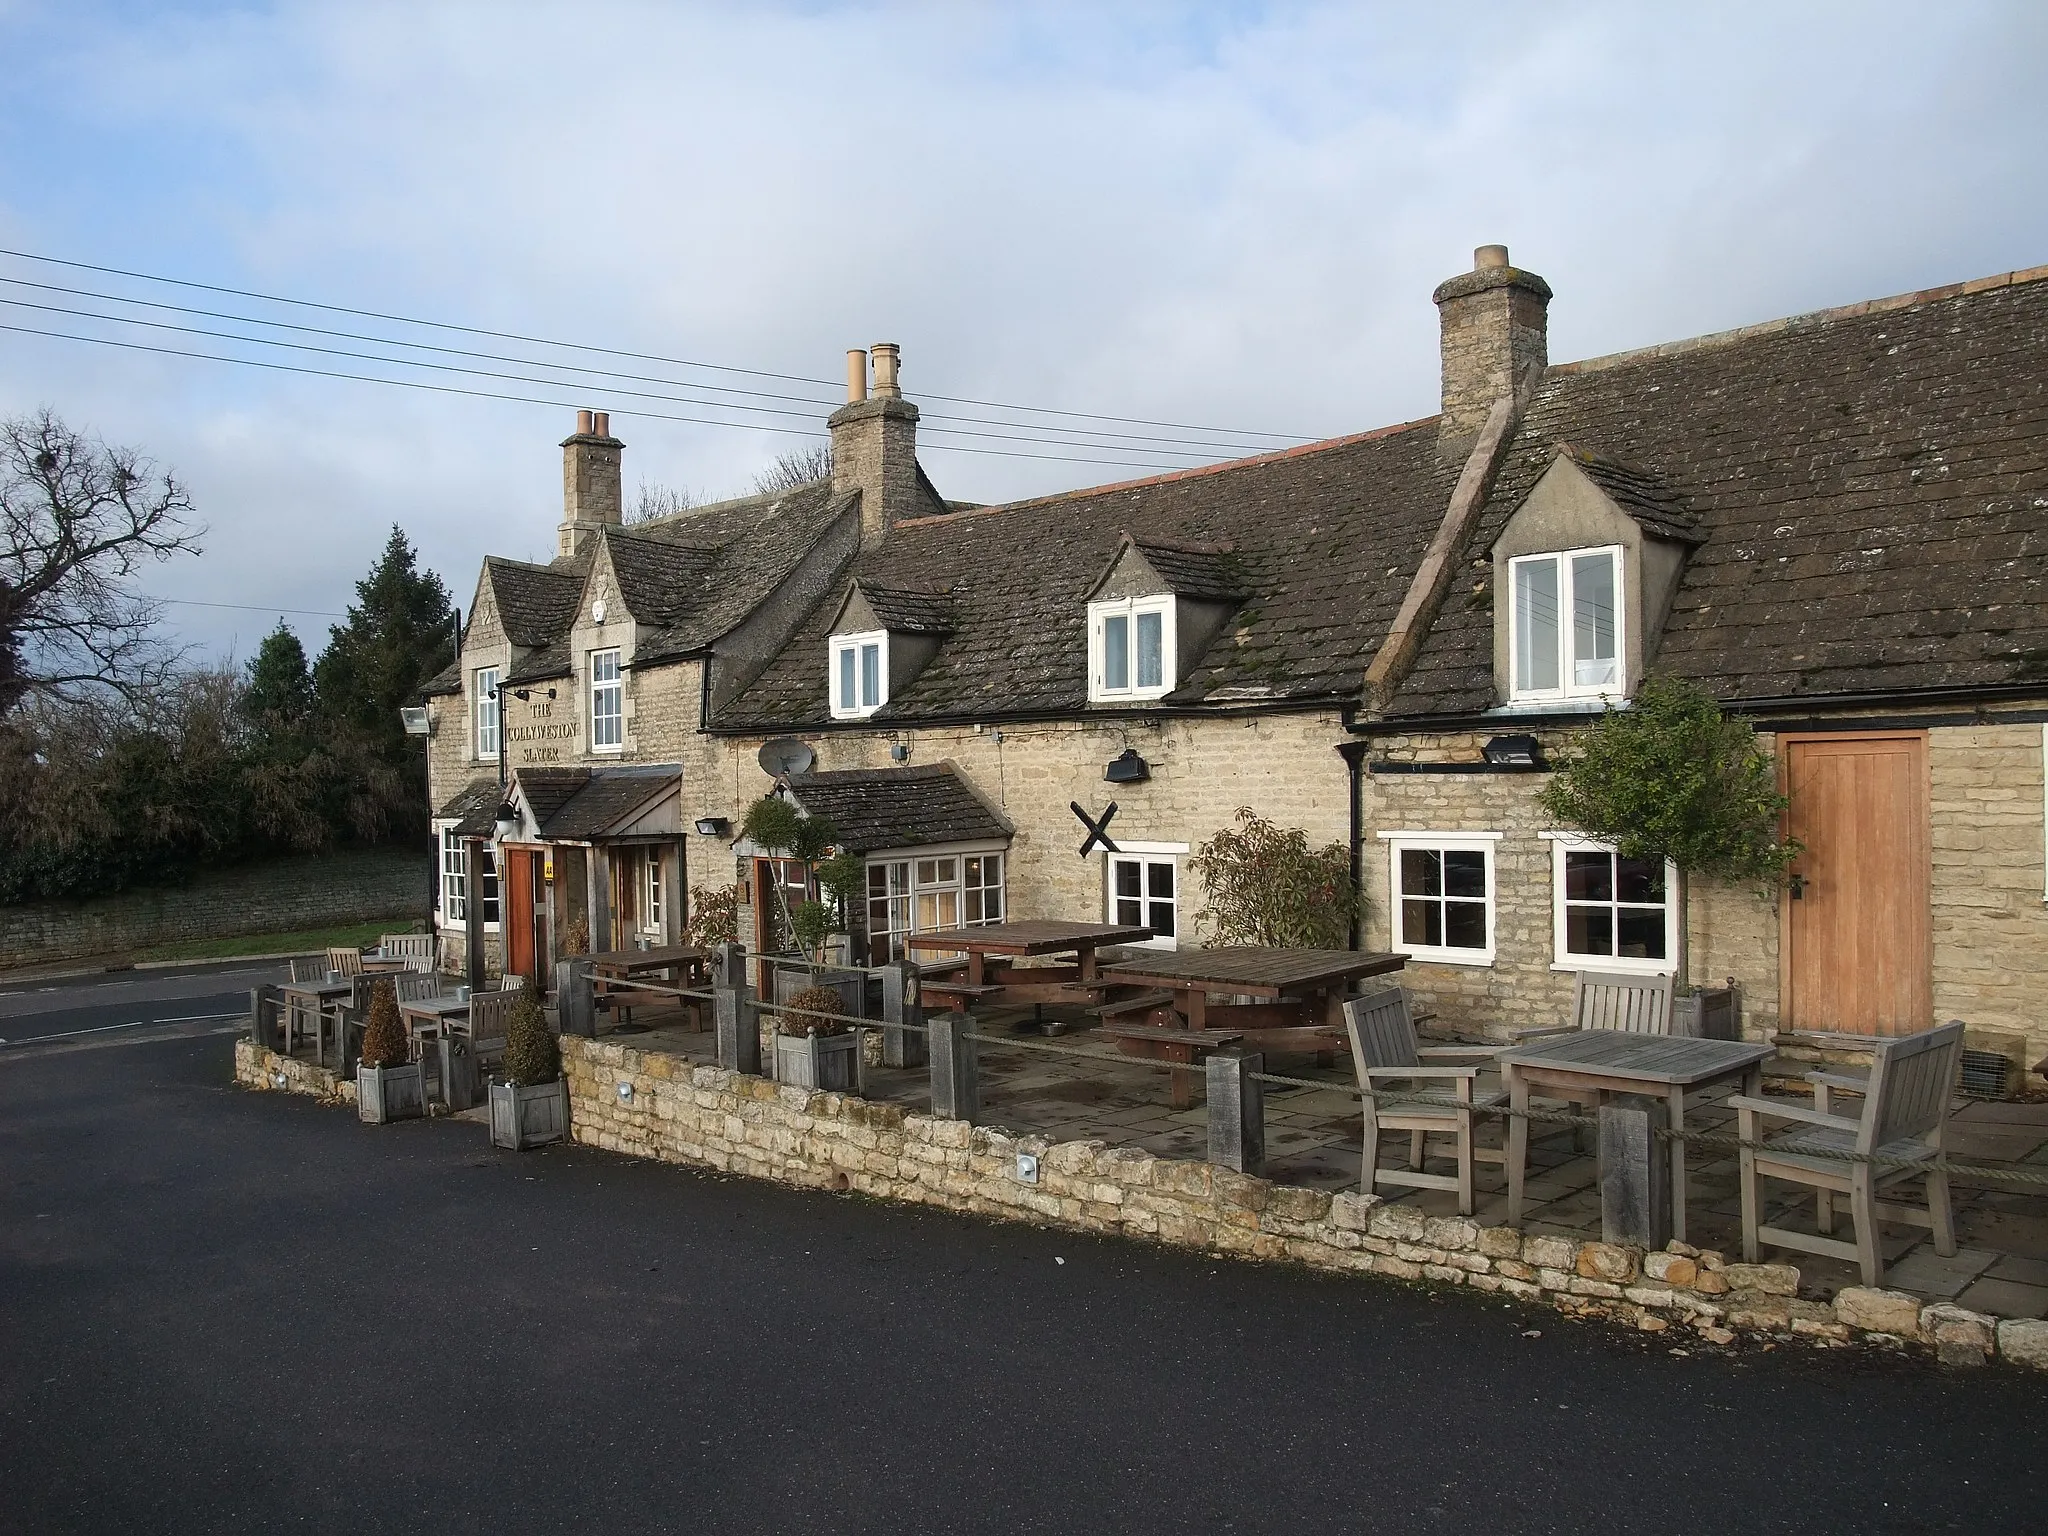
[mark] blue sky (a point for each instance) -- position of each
(1216, 214)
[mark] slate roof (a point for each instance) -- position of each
(474, 808)
(873, 808)
(581, 803)
(1208, 574)
(1639, 493)
(1325, 539)
(1870, 487)
(908, 610)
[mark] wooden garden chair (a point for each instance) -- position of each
(308, 968)
(1384, 1050)
(1636, 1005)
(488, 1015)
(345, 961)
(1905, 1105)
(415, 949)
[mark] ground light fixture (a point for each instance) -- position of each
(625, 1093)
(1513, 752)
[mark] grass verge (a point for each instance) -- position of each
(352, 935)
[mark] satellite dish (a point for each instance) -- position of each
(784, 756)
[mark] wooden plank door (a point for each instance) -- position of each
(517, 918)
(1856, 922)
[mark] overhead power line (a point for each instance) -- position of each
(442, 325)
(194, 602)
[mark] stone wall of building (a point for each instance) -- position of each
(280, 896)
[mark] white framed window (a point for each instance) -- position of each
(1440, 895)
(1144, 892)
(860, 674)
(1130, 649)
(930, 893)
(1608, 912)
(650, 891)
(484, 710)
(607, 703)
(1565, 625)
(455, 881)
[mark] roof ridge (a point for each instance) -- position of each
(1299, 451)
(2012, 279)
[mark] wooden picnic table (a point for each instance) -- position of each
(321, 1002)
(987, 978)
(1299, 1001)
(427, 1017)
(1594, 1063)
(684, 965)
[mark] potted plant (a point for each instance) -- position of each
(1673, 778)
(812, 1048)
(531, 1106)
(842, 877)
(389, 1086)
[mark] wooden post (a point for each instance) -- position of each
(1635, 1172)
(473, 912)
(1237, 1110)
(733, 1016)
(265, 1011)
(575, 997)
(900, 1006)
(955, 1092)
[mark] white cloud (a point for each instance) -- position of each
(1193, 214)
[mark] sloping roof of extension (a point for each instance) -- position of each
(874, 808)
(1325, 539)
(575, 804)
(1869, 489)
(474, 808)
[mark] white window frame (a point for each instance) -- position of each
(650, 891)
(613, 687)
(1487, 843)
(483, 714)
(860, 706)
(455, 881)
(1564, 960)
(1566, 624)
(1146, 854)
(900, 897)
(1129, 609)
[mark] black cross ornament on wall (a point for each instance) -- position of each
(1098, 827)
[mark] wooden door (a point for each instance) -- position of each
(1856, 926)
(517, 918)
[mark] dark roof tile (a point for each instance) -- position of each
(873, 808)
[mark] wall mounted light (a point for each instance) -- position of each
(524, 694)
(1027, 1168)
(899, 750)
(507, 820)
(415, 721)
(1127, 768)
(1514, 752)
(625, 1093)
(713, 826)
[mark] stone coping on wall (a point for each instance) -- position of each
(656, 1105)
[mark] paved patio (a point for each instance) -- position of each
(1313, 1137)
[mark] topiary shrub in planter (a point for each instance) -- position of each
(530, 1108)
(812, 1049)
(389, 1086)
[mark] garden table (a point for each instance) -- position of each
(318, 1002)
(1594, 1063)
(683, 965)
(986, 946)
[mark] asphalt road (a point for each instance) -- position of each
(128, 1000)
(233, 1311)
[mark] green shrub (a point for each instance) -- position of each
(714, 915)
(807, 1013)
(384, 1037)
(532, 1054)
(1265, 885)
(576, 937)
(811, 923)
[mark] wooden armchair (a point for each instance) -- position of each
(414, 986)
(1384, 1050)
(415, 949)
(1905, 1105)
(488, 1015)
(309, 968)
(345, 961)
(1636, 1005)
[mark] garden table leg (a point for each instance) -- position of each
(1518, 1141)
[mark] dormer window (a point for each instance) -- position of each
(860, 674)
(1130, 649)
(1565, 625)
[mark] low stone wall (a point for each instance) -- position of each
(677, 1112)
(256, 1067)
(277, 897)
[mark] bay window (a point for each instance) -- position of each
(930, 893)
(455, 882)
(1565, 625)
(860, 674)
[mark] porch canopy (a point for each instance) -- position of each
(600, 845)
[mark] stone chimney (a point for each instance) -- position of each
(1495, 324)
(591, 497)
(874, 443)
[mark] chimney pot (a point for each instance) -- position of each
(583, 423)
(1489, 256)
(856, 375)
(601, 423)
(888, 358)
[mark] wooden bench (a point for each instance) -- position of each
(1156, 1043)
(1143, 1002)
(958, 993)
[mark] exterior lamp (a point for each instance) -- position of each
(523, 694)
(508, 820)
(713, 826)
(1514, 752)
(415, 721)
(1127, 768)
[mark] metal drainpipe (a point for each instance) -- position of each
(1354, 760)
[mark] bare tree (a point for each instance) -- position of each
(80, 519)
(654, 501)
(798, 467)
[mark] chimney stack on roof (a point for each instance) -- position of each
(1495, 329)
(874, 443)
(591, 495)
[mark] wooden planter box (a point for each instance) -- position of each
(1711, 1013)
(830, 1063)
(384, 1094)
(529, 1117)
